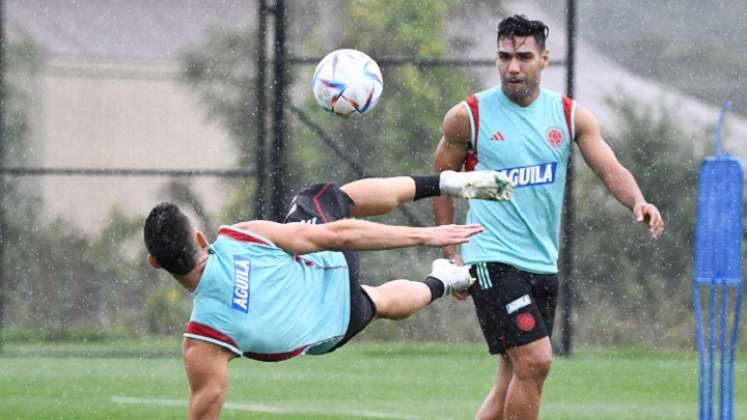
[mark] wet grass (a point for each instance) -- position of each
(144, 379)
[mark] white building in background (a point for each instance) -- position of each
(110, 94)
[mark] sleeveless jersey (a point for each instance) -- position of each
(531, 145)
(258, 301)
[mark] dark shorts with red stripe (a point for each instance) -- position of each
(514, 307)
(324, 203)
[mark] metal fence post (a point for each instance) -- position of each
(260, 158)
(566, 262)
(279, 178)
(2, 176)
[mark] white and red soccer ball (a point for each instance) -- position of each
(347, 82)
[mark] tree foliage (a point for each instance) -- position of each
(407, 121)
(634, 289)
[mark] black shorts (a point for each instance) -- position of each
(514, 307)
(324, 203)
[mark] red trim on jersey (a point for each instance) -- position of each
(240, 236)
(471, 160)
(567, 109)
(305, 261)
(316, 203)
(203, 330)
(275, 357)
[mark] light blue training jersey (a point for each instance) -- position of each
(532, 146)
(258, 301)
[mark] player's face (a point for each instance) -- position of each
(520, 61)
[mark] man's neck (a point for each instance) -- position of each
(190, 280)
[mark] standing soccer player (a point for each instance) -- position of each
(525, 132)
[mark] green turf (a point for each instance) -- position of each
(125, 380)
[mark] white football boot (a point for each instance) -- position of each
(480, 185)
(455, 278)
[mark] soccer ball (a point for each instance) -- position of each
(347, 82)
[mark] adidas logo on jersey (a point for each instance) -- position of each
(498, 136)
(526, 176)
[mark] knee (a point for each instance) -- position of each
(385, 307)
(535, 368)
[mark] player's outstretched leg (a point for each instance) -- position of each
(376, 196)
(399, 299)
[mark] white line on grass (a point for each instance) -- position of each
(261, 408)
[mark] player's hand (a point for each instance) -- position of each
(450, 253)
(444, 235)
(460, 295)
(648, 213)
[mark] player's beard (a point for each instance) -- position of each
(518, 93)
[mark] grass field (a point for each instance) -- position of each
(127, 380)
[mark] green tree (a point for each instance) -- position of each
(71, 285)
(20, 209)
(636, 290)
(399, 135)
(23, 60)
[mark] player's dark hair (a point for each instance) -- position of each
(169, 238)
(519, 25)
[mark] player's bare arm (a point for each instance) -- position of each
(450, 154)
(207, 371)
(620, 182)
(354, 234)
(452, 148)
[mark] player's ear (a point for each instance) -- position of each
(153, 263)
(201, 239)
(545, 58)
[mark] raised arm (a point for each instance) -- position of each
(207, 371)
(354, 234)
(619, 181)
(450, 154)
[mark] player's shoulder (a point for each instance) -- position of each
(255, 232)
(457, 112)
(456, 124)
